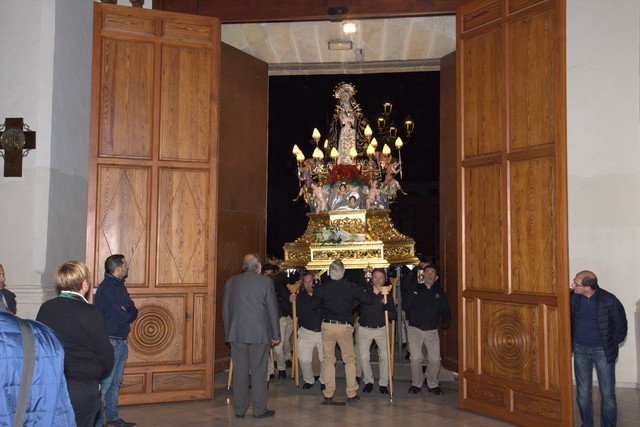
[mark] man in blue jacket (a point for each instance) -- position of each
(598, 326)
(118, 311)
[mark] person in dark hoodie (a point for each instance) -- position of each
(87, 351)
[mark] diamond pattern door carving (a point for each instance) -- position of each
(153, 189)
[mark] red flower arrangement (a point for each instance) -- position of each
(351, 174)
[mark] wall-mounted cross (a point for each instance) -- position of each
(15, 137)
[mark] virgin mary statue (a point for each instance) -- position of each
(347, 125)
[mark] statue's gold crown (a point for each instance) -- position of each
(342, 86)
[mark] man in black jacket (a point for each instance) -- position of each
(309, 332)
(424, 304)
(598, 326)
(372, 328)
(282, 351)
(337, 298)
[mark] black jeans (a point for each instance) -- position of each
(85, 400)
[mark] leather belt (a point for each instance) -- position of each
(336, 322)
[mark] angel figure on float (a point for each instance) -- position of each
(390, 187)
(319, 197)
(373, 197)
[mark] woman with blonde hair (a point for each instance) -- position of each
(88, 354)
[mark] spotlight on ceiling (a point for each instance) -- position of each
(349, 27)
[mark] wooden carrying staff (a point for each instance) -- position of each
(394, 285)
(384, 290)
(294, 289)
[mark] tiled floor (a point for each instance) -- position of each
(295, 408)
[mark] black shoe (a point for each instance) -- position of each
(328, 399)
(307, 386)
(282, 374)
(367, 388)
(353, 399)
(287, 363)
(316, 377)
(121, 423)
(266, 414)
(272, 376)
(436, 390)
(239, 416)
(358, 380)
(384, 390)
(414, 390)
(322, 387)
(407, 356)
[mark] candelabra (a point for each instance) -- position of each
(388, 132)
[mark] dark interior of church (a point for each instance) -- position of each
(298, 104)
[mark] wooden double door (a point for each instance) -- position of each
(171, 186)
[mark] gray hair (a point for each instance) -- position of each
(250, 262)
(336, 270)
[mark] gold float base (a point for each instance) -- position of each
(384, 246)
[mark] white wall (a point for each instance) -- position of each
(26, 42)
(603, 130)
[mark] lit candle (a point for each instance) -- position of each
(317, 154)
(334, 153)
(316, 135)
(371, 150)
(374, 142)
(353, 153)
(399, 143)
(300, 156)
(326, 144)
(295, 150)
(368, 133)
(386, 150)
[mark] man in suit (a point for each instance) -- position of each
(251, 326)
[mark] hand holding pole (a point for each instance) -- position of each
(294, 289)
(384, 290)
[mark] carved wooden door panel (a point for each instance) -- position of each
(515, 360)
(153, 189)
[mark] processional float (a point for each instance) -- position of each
(348, 188)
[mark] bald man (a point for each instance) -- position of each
(598, 326)
(251, 326)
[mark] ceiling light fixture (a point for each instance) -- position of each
(349, 27)
(340, 45)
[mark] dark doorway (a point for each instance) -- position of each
(297, 104)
